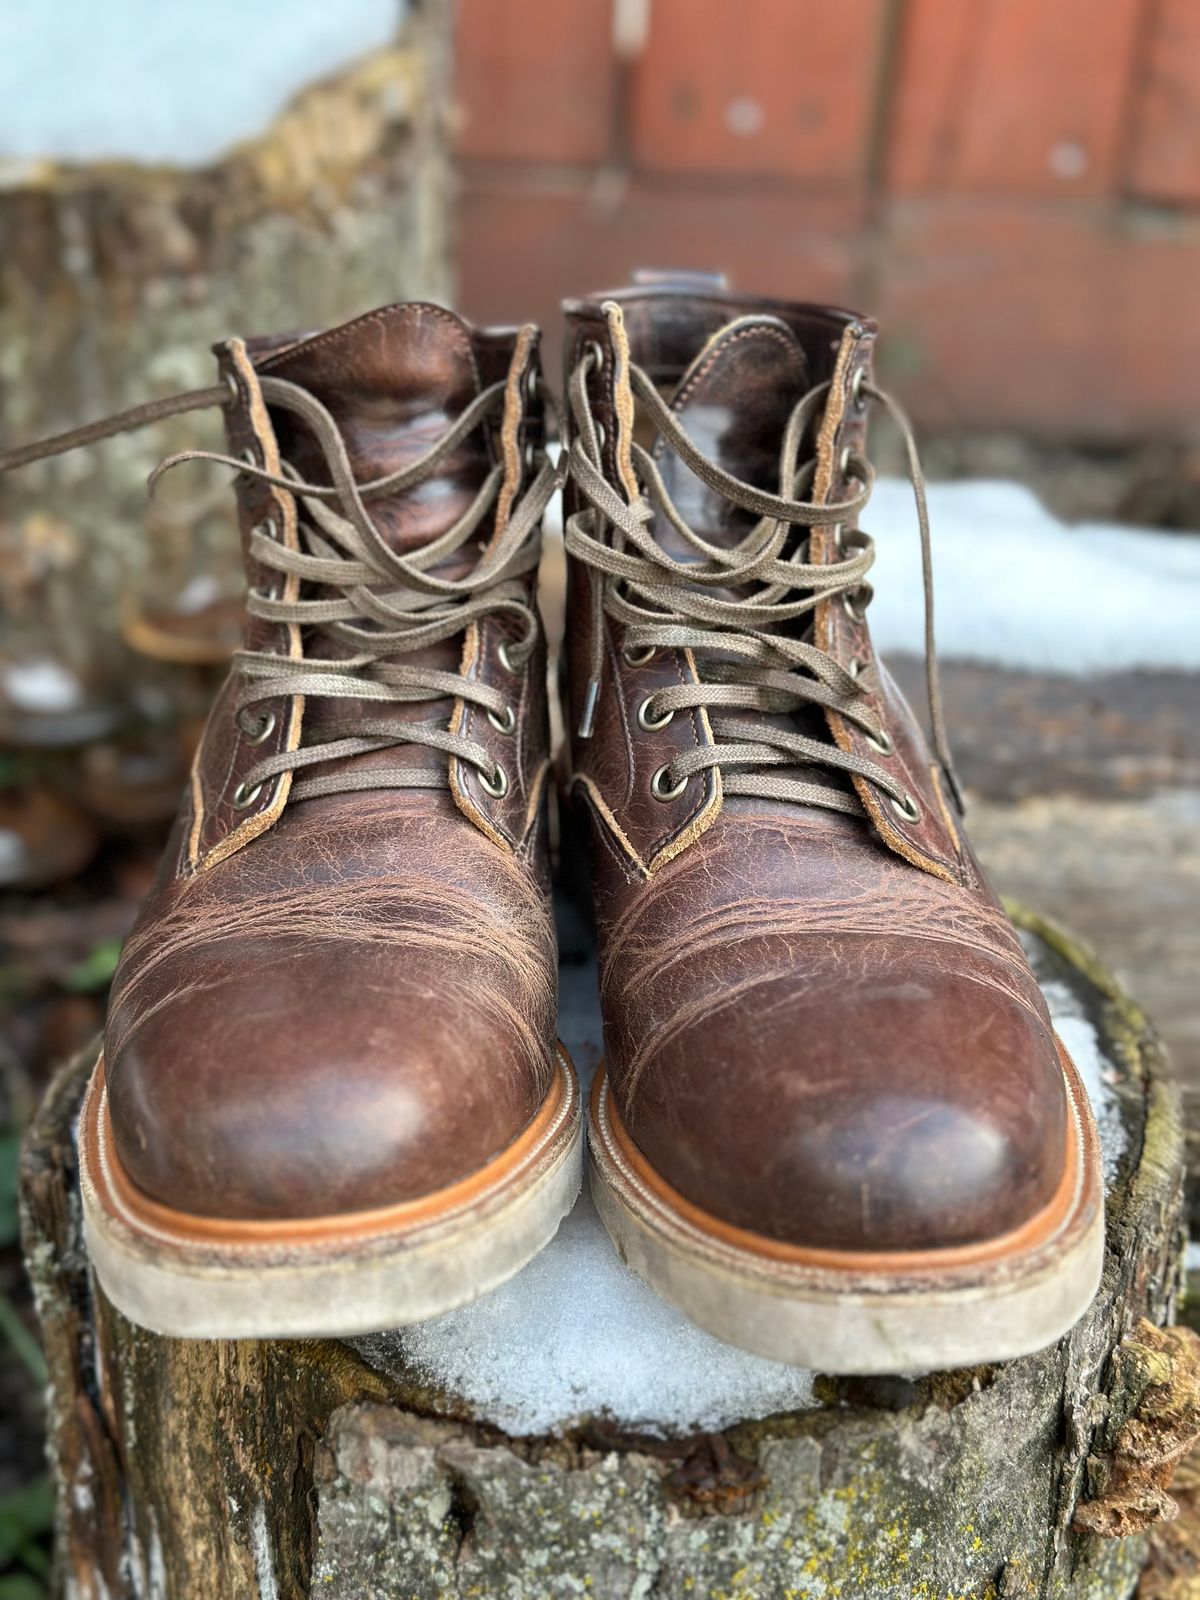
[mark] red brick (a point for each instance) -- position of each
(521, 250)
(1058, 321)
(778, 87)
(1165, 161)
(534, 80)
(1012, 96)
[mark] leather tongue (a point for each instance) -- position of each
(393, 381)
(734, 400)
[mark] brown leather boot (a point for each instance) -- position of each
(834, 1124)
(330, 1097)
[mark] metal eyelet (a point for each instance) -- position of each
(243, 797)
(907, 809)
(506, 660)
(881, 741)
(856, 385)
(497, 787)
(849, 607)
(250, 456)
(268, 527)
(601, 434)
(231, 384)
(638, 658)
(593, 355)
(661, 793)
(845, 460)
(533, 383)
(648, 722)
(856, 667)
(505, 723)
(262, 733)
(838, 542)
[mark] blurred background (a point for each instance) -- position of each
(1011, 187)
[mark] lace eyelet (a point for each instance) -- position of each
(497, 787)
(268, 528)
(660, 792)
(250, 456)
(906, 809)
(856, 667)
(881, 741)
(849, 607)
(856, 386)
(638, 658)
(243, 796)
(845, 461)
(231, 384)
(647, 721)
(262, 733)
(593, 355)
(601, 434)
(505, 723)
(505, 659)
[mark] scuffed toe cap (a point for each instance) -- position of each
(292, 1082)
(893, 1110)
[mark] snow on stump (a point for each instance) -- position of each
(572, 1435)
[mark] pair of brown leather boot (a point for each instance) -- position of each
(834, 1124)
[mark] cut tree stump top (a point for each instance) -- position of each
(573, 1435)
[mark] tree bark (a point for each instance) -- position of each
(188, 1469)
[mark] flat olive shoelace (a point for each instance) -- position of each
(378, 604)
(754, 661)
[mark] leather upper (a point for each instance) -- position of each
(817, 1027)
(348, 1001)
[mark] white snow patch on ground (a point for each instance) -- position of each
(577, 1333)
(1017, 587)
(153, 82)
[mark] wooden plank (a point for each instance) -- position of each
(1165, 161)
(522, 247)
(1012, 96)
(774, 87)
(534, 81)
(1051, 320)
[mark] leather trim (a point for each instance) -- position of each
(96, 1130)
(1079, 1172)
(268, 814)
(827, 473)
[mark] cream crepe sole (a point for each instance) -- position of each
(922, 1315)
(334, 1276)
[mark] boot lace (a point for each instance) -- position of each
(372, 602)
(755, 658)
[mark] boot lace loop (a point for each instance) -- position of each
(756, 658)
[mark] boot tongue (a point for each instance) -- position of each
(734, 401)
(393, 382)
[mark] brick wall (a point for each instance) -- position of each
(1012, 186)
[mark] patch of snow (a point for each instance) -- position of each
(264, 1558)
(148, 82)
(1015, 586)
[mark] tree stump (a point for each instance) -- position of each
(572, 1435)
